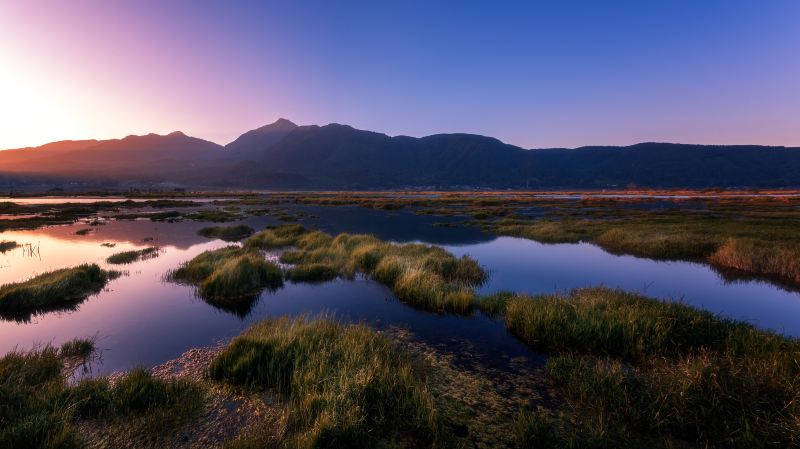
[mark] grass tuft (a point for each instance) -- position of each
(229, 276)
(423, 276)
(312, 272)
(38, 408)
(7, 245)
(126, 257)
(59, 289)
(635, 368)
(80, 348)
(228, 233)
(345, 385)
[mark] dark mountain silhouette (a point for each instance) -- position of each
(149, 157)
(284, 155)
(250, 144)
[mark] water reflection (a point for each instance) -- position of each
(142, 320)
(528, 266)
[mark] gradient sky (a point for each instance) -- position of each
(533, 73)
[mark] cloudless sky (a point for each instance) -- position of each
(531, 73)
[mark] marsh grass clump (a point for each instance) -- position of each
(712, 399)
(215, 215)
(39, 408)
(126, 257)
(54, 290)
(78, 348)
(312, 272)
(635, 368)
(149, 405)
(777, 261)
(229, 275)
(33, 412)
(242, 276)
(534, 429)
(494, 305)
(85, 231)
(344, 385)
(7, 245)
(755, 237)
(424, 276)
(228, 233)
(630, 326)
(273, 238)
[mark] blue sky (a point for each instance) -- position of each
(535, 74)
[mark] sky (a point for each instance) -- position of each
(535, 73)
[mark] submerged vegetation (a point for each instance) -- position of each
(227, 233)
(40, 409)
(344, 385)
(126, 257)
(59, 289)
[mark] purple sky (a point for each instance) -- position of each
(534, 74)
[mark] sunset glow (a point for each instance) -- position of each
(549, 75)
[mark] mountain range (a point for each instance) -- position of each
(334, 156)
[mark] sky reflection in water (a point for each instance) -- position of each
(142, 320)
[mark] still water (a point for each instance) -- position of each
(140, 319)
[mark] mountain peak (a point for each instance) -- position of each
(176, 134)
(281, 124)
(263, 137)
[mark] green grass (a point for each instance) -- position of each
(78, 348)
(279, 237)
(344, 385)
(126, 257)
(312, 272)
(749, 256)
(710, 399)
(494, 305)
(229, 275)
(216, 215)
(424, 276)
(33, 412)
(7, 245)
(748, 240)
(38, 408)
(59, 289)
(629, 326)
(227, 233)
(634, 369)
(157, 405)
(534, 429)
